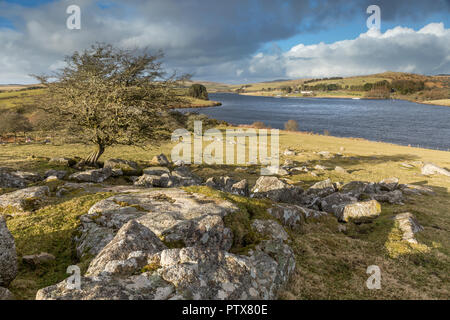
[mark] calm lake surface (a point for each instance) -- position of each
(394, 121)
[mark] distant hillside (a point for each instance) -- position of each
(394, 85)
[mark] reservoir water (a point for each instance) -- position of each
(394, 121)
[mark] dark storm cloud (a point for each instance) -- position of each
(213, 39)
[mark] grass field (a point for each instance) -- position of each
(330, 264)
(14, 99)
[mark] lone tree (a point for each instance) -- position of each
(109, 96)
(198, 91)
(14, 122)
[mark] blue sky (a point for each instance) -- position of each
(233, 41)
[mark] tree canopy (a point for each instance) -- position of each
(109, 96)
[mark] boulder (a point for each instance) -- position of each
(325, 154)
(25, 199)
(132, 237)
(68, 162)
(29, 176)
(129, 168)
(340, 170)
(289, 152)
(430, 169)
(148, 181)
(60, 174)
(321, 188)
(38, 259)
(300, 169)
(240, 188)
(412, 189)
(227, 184)
(335, 202)
(8, 256)
(359, 211)
(389, 184)
(156, 171)
(320, 167)
(276, 190)
(9, 179)
(183, 177)
(94, 175)
(270, 229)
(293, 216)
(392, 197)
(290, 215)
(288, 163)
(408, 225)
(354, 188)
(160, 160)
(5, 294)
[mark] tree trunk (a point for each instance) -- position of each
(92, 159)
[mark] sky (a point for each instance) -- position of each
(234, 41)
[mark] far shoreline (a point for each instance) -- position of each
(444, 103)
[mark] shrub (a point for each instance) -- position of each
(291, 125)
(198, 91)
(259, 125)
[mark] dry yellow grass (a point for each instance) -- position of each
(440, 102)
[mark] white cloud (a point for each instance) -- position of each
(214, 41)
(424, 51)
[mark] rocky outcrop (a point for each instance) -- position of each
(192, 273)
(134, 262)
(408, 225)
(128, 168)
(276, 190)
(431, 169)
(94, 175)
(25, 199)
(173, 215)
(8, 256)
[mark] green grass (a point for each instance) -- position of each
(50, 229)
(13, 99)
